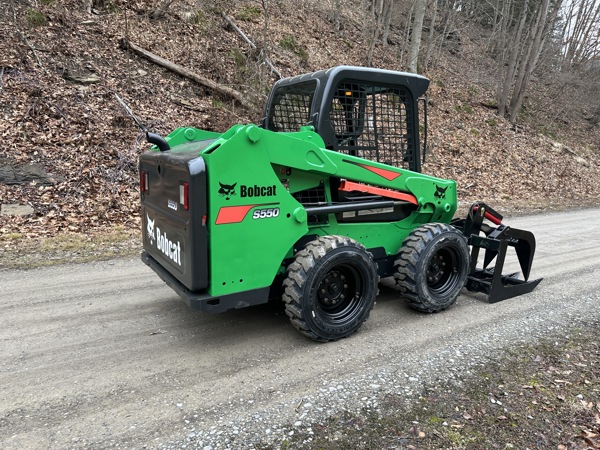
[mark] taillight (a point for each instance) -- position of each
(143, 181)
(184, 195)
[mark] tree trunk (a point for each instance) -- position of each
(386, 21)
(265, 50)
(431, 34)
(415, 41)
(530, 62)
(584, 32)
(250, 43)
(161, 9)
(499, 47)
(407, 27)
(512, 62)
(335, 14)
(374, 30)
(447, 22)
(225, 90)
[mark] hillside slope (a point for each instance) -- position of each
(70, 152)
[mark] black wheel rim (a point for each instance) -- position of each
(340, 293)
(442, 271)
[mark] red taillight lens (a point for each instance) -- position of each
(143, 181)
(184, 195)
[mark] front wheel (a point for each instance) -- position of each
(432, 267)
(330, 288)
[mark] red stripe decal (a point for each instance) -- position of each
(232, 214)
(236, 214)
(387, 174)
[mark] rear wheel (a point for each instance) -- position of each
(330, 288)
(432, 267)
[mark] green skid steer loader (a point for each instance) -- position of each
(317, 204)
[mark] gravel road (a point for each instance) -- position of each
(104, 355)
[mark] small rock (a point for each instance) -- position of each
(12, 209)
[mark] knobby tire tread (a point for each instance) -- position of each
(298, 272)
(406, 270)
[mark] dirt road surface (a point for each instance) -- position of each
(104, 354)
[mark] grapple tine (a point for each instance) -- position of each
(495, 241)
(489, 257)
(525, 249)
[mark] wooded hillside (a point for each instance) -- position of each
(69, 150)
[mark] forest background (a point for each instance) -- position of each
(514, 100)
(514, 112)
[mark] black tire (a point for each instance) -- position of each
(330, 288)
(432, 267)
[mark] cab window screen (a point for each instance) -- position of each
(290, 108)
(372, 122)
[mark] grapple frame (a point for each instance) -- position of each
(495, 241)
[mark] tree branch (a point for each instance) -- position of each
(180, 70)
(24, 39)
(250, 43)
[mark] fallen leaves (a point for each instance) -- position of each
(82, 139)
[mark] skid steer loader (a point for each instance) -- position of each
(316, 204)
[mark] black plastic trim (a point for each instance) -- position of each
(202, 301)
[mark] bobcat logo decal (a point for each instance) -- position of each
(227, 190)
(439, 192)
(150, 229)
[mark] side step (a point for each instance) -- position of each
(495, 241)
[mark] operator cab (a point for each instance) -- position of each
(364, 112)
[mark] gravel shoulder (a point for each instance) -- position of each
(102, 354)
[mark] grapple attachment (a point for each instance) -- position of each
(495, 241)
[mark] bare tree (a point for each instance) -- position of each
(265, 47)
(159, 11)
(581, 32)
(511, 66)
(334, 14)
(520, 37)
(431, 35)
(406, 37)
(90, 5)
(544, 22)
(415, 40)
(388, 9)
(378, 24)
(447, 21)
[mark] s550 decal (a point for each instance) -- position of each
(265, 213)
